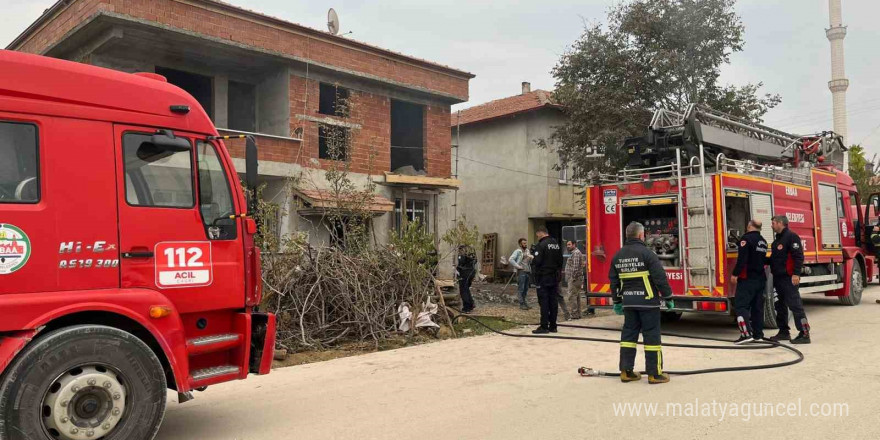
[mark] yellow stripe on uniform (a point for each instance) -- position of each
(657, 348)
(627, 344)
(644, 276)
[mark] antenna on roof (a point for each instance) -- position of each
(332, 22)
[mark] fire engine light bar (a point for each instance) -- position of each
(710, 306)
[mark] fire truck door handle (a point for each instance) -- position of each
(137, 254)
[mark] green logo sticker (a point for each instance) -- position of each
(15, 249)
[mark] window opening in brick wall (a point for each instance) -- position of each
(242, 106)
(407, 135)
(199, 86)
(333, 142)
(416, 210)
(333, 100)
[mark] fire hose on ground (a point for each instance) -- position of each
(585, 371)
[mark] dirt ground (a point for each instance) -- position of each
(497, 387)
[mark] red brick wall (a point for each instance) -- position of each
(438, 141)
(273, 149)
(69, 18)
(371, 143)
(244, 30)
(370, 150)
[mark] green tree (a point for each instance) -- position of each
(863, 172)
(650, 54)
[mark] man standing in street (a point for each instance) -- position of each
(786, 261)
(638, 282)
(574, 276)
(750, 280)
(545, 267)
(521, 260)
(465, 270)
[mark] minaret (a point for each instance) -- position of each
(838, 84)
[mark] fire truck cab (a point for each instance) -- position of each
(127, 261)
(697, 179)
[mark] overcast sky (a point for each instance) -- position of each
(507, 42)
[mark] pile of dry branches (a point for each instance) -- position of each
(325, 296)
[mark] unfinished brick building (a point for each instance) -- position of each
(283, 82)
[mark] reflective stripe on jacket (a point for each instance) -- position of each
(638, 279)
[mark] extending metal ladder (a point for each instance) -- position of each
(695, 234)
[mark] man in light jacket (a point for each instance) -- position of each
(521, 260)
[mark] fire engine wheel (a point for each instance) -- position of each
(770, 306)
(83, 383)
(856, 286)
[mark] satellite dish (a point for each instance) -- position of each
(332, 22)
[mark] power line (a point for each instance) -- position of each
(852, 106)
(871, 133)
(507, 169)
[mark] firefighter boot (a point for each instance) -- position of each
(744, 330)
(803, 336)
(629, 376)
(658, 378)
(781, 336)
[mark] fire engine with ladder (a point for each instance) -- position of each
(697, 178)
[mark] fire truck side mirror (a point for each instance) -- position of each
(251, 165)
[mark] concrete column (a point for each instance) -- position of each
(221, 101)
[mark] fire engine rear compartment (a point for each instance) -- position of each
(661, 227)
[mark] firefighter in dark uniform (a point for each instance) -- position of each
(545, 268)
(750, 280)
(786, 261)
(638, 283)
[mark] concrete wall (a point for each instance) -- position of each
(509, 185)
(273, 104)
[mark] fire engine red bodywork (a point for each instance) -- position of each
(80, 112)
(797, 201)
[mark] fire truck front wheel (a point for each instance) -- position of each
(81, 383)
(856, 286)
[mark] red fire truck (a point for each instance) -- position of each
(127, 261)
(695, 181)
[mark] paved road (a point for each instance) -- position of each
(495, 387)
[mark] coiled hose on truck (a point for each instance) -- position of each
(584, 371)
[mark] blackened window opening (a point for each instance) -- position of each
(242, 106)
(333, 142)
(333, 100)
(199, 86)
(407, 135)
